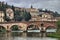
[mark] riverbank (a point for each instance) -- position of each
(54, 35)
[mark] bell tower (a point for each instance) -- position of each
(31, 6)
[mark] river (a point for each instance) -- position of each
(24, 36)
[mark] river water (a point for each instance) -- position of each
(24, 36)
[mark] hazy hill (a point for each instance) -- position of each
(4, 6)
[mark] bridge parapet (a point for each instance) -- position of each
(23, 25)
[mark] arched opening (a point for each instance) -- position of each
(15, 28)
(32, 27)
(50, 29)
(2, 29)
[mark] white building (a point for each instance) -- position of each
(2, 16)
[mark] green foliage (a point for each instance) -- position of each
(54, 35)
(26, 16)
(14, 28)
(57, 34)
(2, 29)
(18, 18)
(22, 15)
(30, 26)
(17, 12)
(13, 8)
(7, 19)
(3, 7)
(58, 25)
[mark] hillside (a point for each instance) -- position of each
(4, 6)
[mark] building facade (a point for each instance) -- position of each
(2, 16)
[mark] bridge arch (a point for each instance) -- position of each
(50, 27)
(14, 27)
(32, 27)
(2, 28)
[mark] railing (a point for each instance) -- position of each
(44, 19)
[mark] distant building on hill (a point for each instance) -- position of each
(36, 14)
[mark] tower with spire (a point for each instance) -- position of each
(31, 6)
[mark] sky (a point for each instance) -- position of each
(53, 5)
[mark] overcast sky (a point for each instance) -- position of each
(53, 5)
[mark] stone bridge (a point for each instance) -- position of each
(24, 25)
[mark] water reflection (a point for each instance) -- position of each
(24, 36)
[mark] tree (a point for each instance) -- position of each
(17, 12)
(26, 16)
(7, 19)
(3, 7)
(58, 26)
(13, 8)
(15, 28)
(6, 5)
(31, 6)
(2, 29)
(18, 18)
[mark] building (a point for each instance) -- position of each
(46, 15)
(1, 3)
(33, 11)
(2, 16)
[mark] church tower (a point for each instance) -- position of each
(31, 6)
